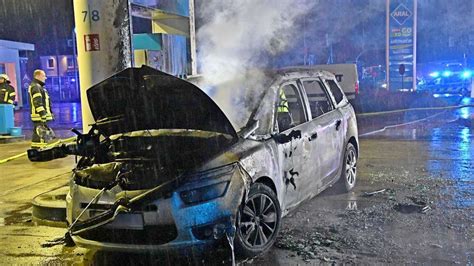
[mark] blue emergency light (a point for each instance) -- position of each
(446, 73)
(434, 74)
(467, 74)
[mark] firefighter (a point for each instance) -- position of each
(40, 110)
(284, 117)
(283, 102)
(7, 92)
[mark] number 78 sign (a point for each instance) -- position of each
(92, 16)
(91, 41)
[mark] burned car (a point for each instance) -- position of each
(164, 168)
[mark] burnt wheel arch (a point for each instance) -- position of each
(268, 182)
(353, 141)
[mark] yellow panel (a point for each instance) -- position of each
(159, 27)
(139, 58)
(168, 23)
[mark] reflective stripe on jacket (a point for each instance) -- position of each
(40, 102)
(7, 94)
(283, 103)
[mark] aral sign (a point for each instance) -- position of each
(401, 14)
(401, 44)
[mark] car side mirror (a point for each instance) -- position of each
(250, 129)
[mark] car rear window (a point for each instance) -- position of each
(335, 90)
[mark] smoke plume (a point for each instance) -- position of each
(240, 36)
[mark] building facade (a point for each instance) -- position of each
(11, 62)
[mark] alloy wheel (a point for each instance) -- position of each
(258, 221)
(351, 166)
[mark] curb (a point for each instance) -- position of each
(11, 139)
(49, 208)
(414, 109)
(400, 125)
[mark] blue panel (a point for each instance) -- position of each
(6, 118)
(147, 41)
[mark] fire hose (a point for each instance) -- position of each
(47, 146)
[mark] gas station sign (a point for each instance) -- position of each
(401, 44)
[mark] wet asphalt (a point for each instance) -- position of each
(423, 210)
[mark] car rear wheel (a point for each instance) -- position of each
(258, 222)
(349, 169)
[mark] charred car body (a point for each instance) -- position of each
(164, 168)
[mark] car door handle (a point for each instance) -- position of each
(338, 124)
(313, 136)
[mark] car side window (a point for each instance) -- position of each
(319, 101)
(335, 90)
(290, 110)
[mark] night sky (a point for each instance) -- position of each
(445, 30)
(46, 23)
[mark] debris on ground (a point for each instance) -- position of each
(411, 208)
(370, 194)
(314, 245)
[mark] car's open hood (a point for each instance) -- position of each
(145, 98)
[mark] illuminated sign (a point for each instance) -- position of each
(401, 14)
(401, 44)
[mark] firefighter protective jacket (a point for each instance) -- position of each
(39, 102)
(7, 93)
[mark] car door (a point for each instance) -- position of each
(325, 136)
(292, 143)
(345, 109)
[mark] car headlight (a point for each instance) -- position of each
(204, 193)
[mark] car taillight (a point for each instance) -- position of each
(356, 87)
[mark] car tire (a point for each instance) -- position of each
(349, 169)
(257, 226)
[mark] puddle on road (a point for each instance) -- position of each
(455, 141)
(21, 215)
(219, 256)
(352, 203)
(331, 200)
(18, 218)
(450, 149)
(411, 208)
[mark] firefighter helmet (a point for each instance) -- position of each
(5, 77)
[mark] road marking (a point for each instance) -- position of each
(34, 184)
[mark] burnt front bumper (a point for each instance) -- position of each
(196, 214)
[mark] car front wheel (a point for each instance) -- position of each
(258, 221)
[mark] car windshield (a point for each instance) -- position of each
(240, 97)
